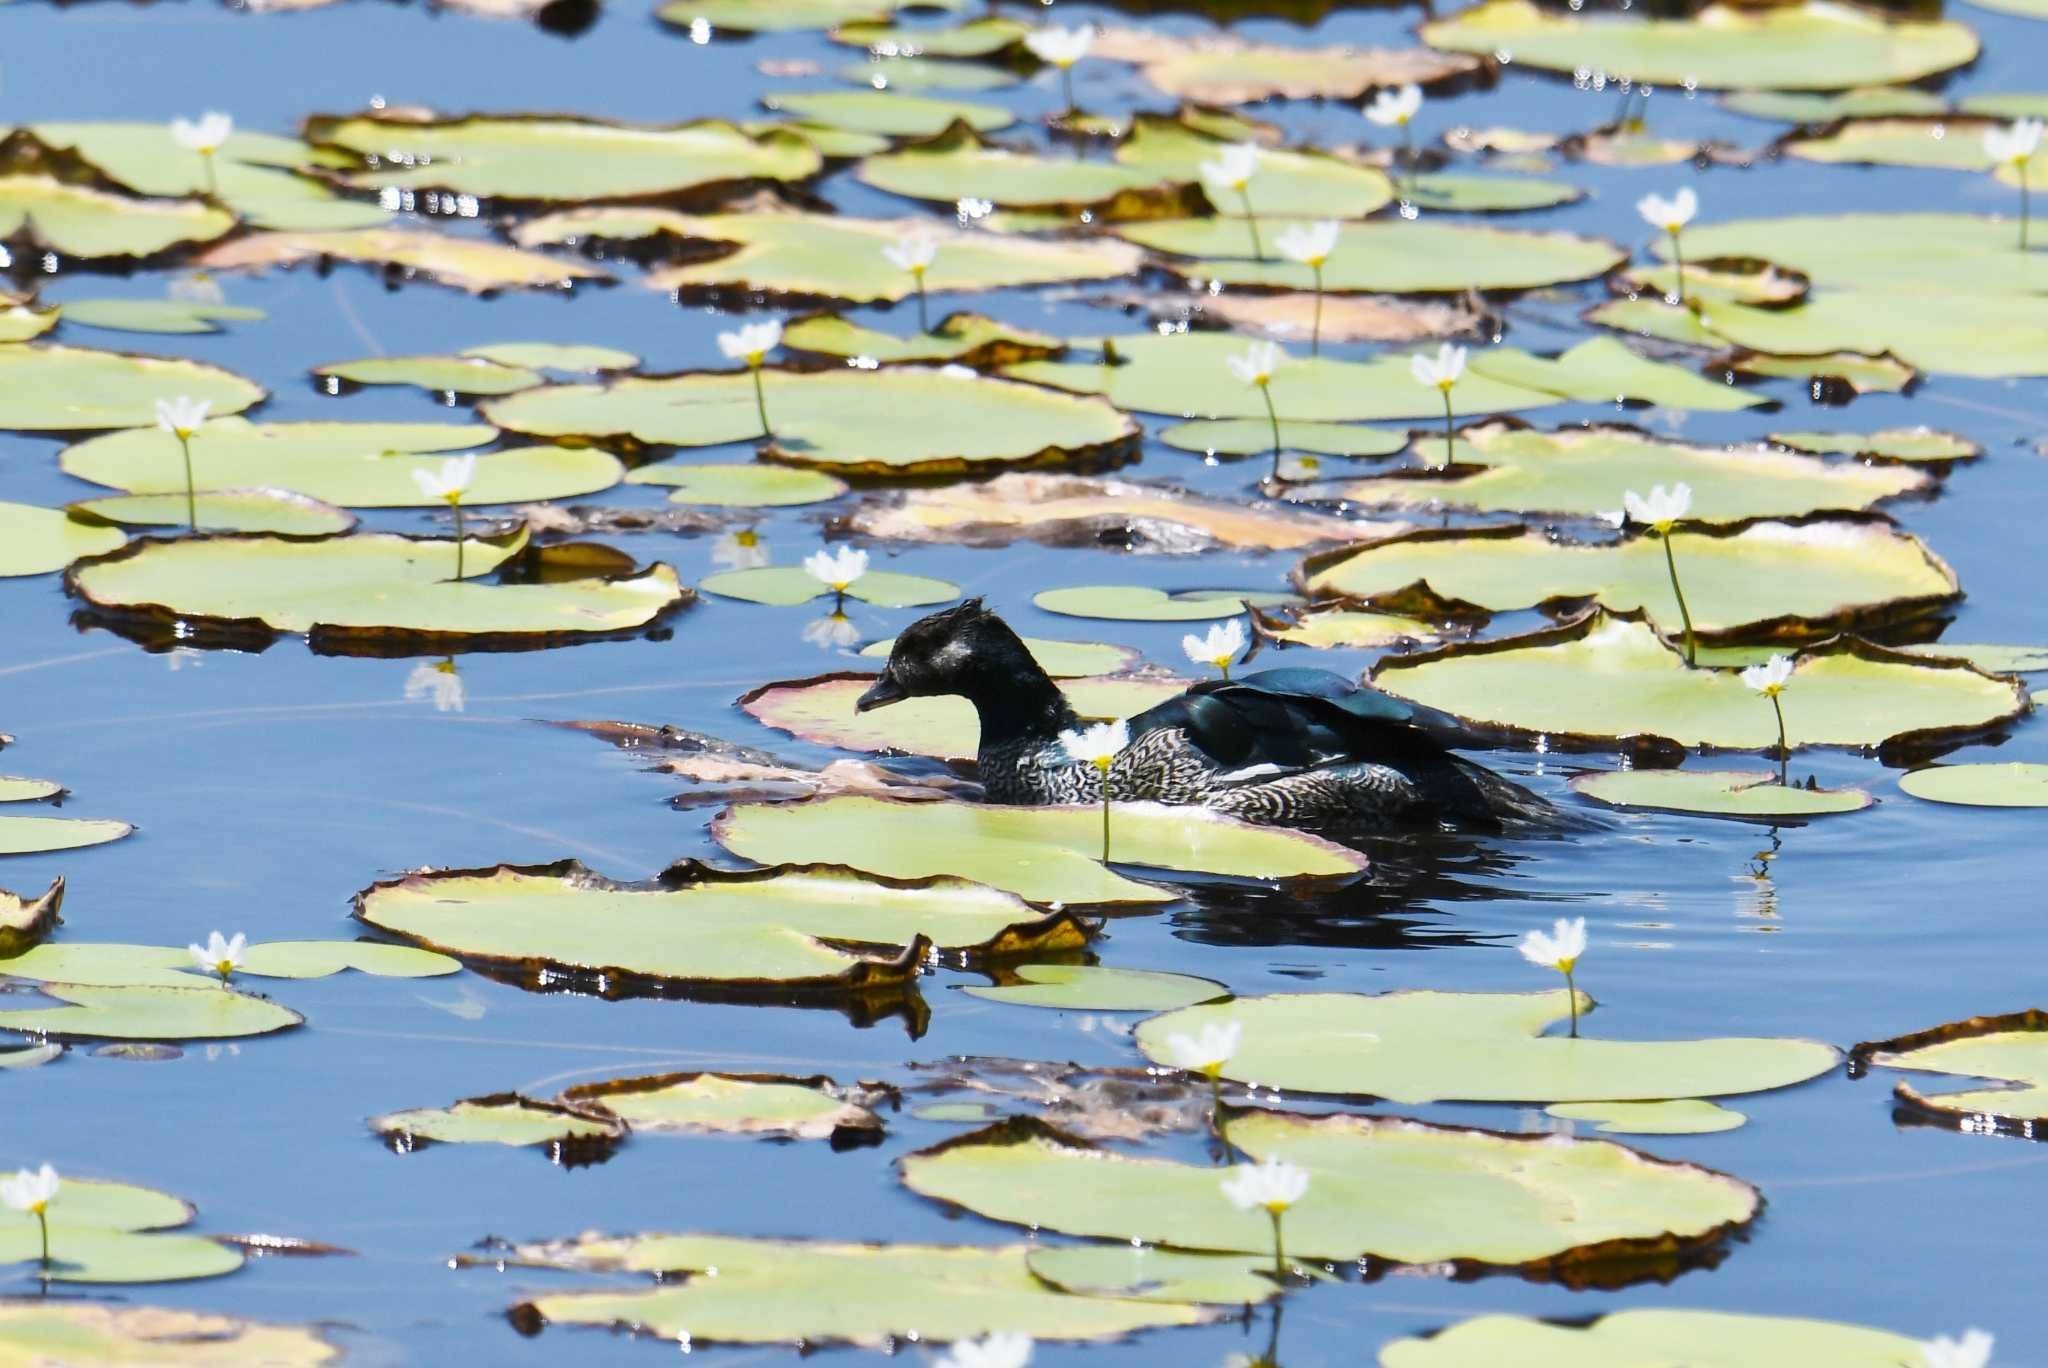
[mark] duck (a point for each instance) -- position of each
(1293, 746)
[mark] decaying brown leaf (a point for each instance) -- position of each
(24, 922)
(726, 773)
(1101, 1104)
(1290, 316)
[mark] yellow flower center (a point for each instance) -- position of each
(1664, 526)
(754, 358)
(917, 271)
(749, 537)
(224, 967)
(185, 433)
(1279, 1208)
(453, 496)
(1773, 690)
(1103, 762)
(1445, 384)
(1564, 966)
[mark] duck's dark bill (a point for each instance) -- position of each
(884, 692)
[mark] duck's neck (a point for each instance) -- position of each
(1020, 705)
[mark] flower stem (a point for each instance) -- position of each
(761, 400)
(1216, 1111)
(457, 506)
(2022, 169)
(191, 501)
(1449, 454)
(1067, 87)
(1279, 1247)
(1678, 255)
(1671, 564)
(1252, 220)
(1571, 990)
(43, 1219)
(1315, 336)
(1273, 417)
(1408, 162)
(1105, 816)
(1784, 750)
(212, 184)
(923, 322)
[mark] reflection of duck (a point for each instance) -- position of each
(1280, 746)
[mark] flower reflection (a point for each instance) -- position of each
(833, 632)
(740, 550)
(439, 681)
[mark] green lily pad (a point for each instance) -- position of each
(1254, 437)
(1946, 140)
(1720, 793)
(1044, 854)
(1698, 1339)
(966, 339)
(1861, 374)
(77, 221)
(319, 959)
(370, 591)
(821, 711)
(976, 38)
(1222, 70)
(500, 1119)
(96, 964)
(1713, 281)
(739, 486)
(36, 541)
(224, 510)
(1991, 659)
(1091, 988)
(1892, 444)
(960, 165)
(156, 315)
(1806, 107)
(2011, 1049)
(1060, 659)
(95, 1332)
(812, 928)
(1683, 1116)
(1811, 45)
(784, 586)
(353, 465)
(1416, 1047)
(783, 16)
(925, 73)
(552, 159)
(1289, 182)
(813, 1293)
(444, 374)
(14, 789)
(1602, 678)
(727, 1104)
(1581, 470)
(575, 357)
(888, 113)
(1144, 1273)
(1343, 628)
(87, 1255)
(69, 389)
(1380, 1187)
(148, 1012)
(970, 1113)
(822, 256)
(1602, 370)
(464, 263)
(1760, 578)
(1489, 194)
(39, 835)
(21, 321)
(1141, 603)
(844, 421)
(1384, 257)
(1876, 251)
(2015, 783)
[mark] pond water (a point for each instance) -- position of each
(268, 787)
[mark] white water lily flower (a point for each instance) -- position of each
(752, 342)
(438, 681)
(1560, 950)
(1393, 108)
(1004, 1349)
(30, 1189)
(1273, 1186)
(182, 416)
(451, 483)
(1669, 214)
(837, 569)
(1060, 47)
(1098, 745)
(1219, 647)
(1233, 167)
(1309, 243)
(221, 954)
(913, 252)
(1207, 1050)
(206, 134)
(2014, 144)
(1661, 507)
(1973, 1350)
(1769, 678)
(1442, 370)
(1258, 363)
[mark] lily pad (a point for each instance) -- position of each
(14, 789)
(1946, 140)
(1831, 378)
(1384, 1188)
(821, 711)
(844, 421)
(576, 357)
(1805, 107)
(1699, 1339)
(319, 959)
(1877, 251)
(1251, 437)
(1416, 1047)
(148, 1012)
(727, 1104)
(1044, 854)
(94, 1332)
(813, 1293)
(1758, 579)
(443, 374)
(353, 465)
(1991, 659)
(1060, 659)
(25, 921)
(2015, 784)
(23, 321)
(1892, 444)
(1091, 988)
(739, 486)
(77, 221)
(965, 339)
(1603, 370)
(1344, 628)
(885, 112)
(1142, 603)
(370, 591)
(156, 315)
(2012, 1049)
(1685, 1116)
(810, 928)
(1720, 793)
(820, 256)
(784, 586)
(39, 835)
(501, 1119)
(1489, 194)
(224, 510)
(961, 165)
(36, 541)
(70, 389)
(1222, 70)
(783, 16)
(1601, 678)
(1810, 45)
(975, 38)
(1291, 181)
(464, 263)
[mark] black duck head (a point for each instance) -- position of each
(964, 650)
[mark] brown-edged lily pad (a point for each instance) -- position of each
(773, 1105)
(465, 263)
(571, 1136)
(2011, 1049)
(1755, 794)
(1226, 70)
(25, 921)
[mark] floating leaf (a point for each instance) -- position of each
(1144, 1273)
(1760, 578)
(1946, 140)
(25, 921)
(1698, 1339)
(1250, 437)
(784, 586)
(445, 374)
(964, 338)
(1892, 444)
(66, 389)
(156, 315)
(783, 16)
(1416, 1047)
(811, 928)
(1290, 181)
(1343, 628)
(845, 421)
(976, 38)
(2015, 783)
(1044, 854)
(1291, 316)
(502, 1119)
(36, 541)
(1603, 371)
(1600, 678)
(148, 1012)
(37, 835)
(1060, 659)
(1810, 45)
(888, 113)
(1091, 988)
(1877, 251)
(1685, 1116)
(1737, 279)
(1217, 69)
(727, 1104)
(94, 1332)
(1100, 1103)
(1142, 603)
(1804, 107)
(355, 465)
(1489, 194)
(1832, 378)
(77, 221)
(464, 263)
(224, 510)
(319, 959)
(739, 486)
(2012, 1049)
(1385, 1188)
(925, 73)
(1721, 793)
(14, 789)
(1988, 658)
(562, 356)
(22, 321)
(960, 165)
